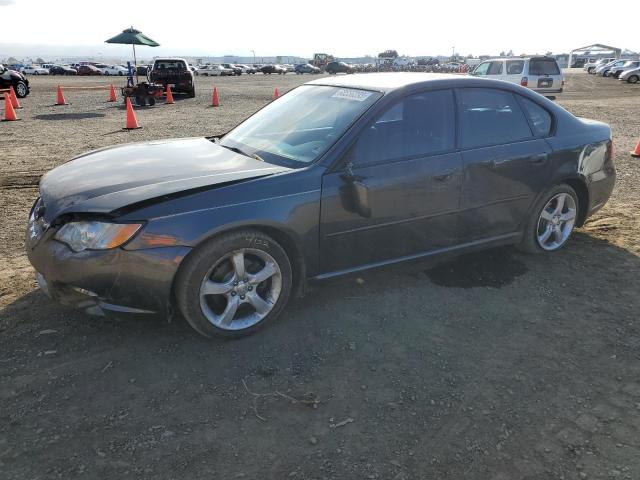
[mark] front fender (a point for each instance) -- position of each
(294, 215)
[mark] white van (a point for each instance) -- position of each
(541, 74)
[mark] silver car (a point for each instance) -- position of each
(541, 74)
(631, 76)
(604, 70)
(615, 72)
(591, 68)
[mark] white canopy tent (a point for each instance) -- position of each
(593, 50)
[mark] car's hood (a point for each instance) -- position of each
(111, 178)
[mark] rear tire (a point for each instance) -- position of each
(213, 267)
(191, 93)
(543, 215)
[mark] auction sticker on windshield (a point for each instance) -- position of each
(350, 94)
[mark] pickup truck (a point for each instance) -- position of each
(174, 72)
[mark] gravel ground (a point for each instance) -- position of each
(494, 365)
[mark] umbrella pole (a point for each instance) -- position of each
(135, 62)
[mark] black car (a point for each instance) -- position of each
(15, 79)
(338, 67)
(269, 69)
(306, 68)
(62, 70)
(174, 72)
(339, 175)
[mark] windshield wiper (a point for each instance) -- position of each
(237, 150)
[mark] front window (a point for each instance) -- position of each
(482, 68)
(300, 126)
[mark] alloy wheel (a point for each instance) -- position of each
(556, 221)
(21, 90)
(240, 289)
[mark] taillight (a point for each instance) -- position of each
(524, 81)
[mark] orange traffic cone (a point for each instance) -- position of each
(9, 112)
(215, 101)
(275, 94)
(169, 95)
(132, 122)
(14, 97)
(112, 94)
(636, 152)
(60, 97)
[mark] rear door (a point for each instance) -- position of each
(407, 163)
(506, 164)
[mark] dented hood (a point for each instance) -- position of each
(111, 178)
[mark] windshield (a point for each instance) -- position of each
(301, 125)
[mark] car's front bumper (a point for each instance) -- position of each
(116, 281)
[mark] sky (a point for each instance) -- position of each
(289, 27)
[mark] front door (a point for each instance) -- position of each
(406, 164)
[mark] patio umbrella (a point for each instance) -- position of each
(133, 37)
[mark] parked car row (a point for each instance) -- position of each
(74, 69)
(624, 69)
(223, 69)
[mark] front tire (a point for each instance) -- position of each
(552, 220)
(234, 284)
(633, 79)
(21, 89)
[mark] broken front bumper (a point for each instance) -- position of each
(103, 282)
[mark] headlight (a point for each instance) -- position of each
(80, 236)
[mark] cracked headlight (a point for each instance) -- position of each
(81, 236)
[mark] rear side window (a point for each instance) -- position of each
(420, 124)
(540, 118)
(543, 66)
(490, 117)
(515, 67)
(495, 68)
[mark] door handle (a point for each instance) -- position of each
(444, 176)
(498, 162)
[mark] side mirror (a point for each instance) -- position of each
(358, 192)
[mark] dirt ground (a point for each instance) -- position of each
(493, 366)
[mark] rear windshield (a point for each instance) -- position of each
(169, 65)
(543, 66)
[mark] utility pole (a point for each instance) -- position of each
(254, 56)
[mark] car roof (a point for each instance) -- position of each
(389, 81)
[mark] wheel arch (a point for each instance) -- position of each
(580, 187)
(280, 235)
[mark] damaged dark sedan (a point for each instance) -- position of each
(338, 175)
